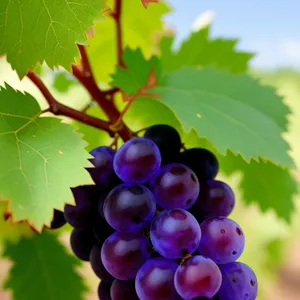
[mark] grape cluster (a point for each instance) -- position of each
(155, 226)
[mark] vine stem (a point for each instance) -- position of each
(58, 108)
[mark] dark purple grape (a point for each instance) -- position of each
(101, 230)
(175, 186)
(104, 291)
(124, 253)
(137, 161)
(215, 199)
(103, 174)
(97, 265)
(222, 240)
(203, 162)
(79, 215)
(175, 233)
(82, 242)
(167, 139)
(198, 276)
(58, 220)
(123, 290)
(238, 282)
(155, 280)
(129, 208)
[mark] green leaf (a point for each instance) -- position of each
(264, 183)
(63, 81)
(140, 26)
(37, 31)
(137, 71)
(201, 50)
(43, 270)
(232, 111)
(40, 158)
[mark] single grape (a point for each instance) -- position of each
(101, 230)
(124, 253)
(80, 214)
(82, 242)
(167, 139)
(123, 290)
(97, 265)
(129, 208)
(155, 280)
(198, 276)
(58, 220)
(103, 173)
(104, 291)
(137, 161)
(215, 199)
(175, 233)
(175, 186)
(222, 240)
(238, 282)
(203, 162)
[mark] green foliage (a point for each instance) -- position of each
(37, 31)
(43, 270)
(201, 50)
(228, 110)
(38, 166)
(62, 81)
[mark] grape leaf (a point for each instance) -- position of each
(264, 183)
(62, 81)
(147, 2)
(139, 28)
(201, 50)
(233, 111)
(37, 31)
(38, 166)
(136, 73)
(43, 270)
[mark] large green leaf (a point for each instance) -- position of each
(201, 50)
(40, 158)
(139, 27)
(233, 111)
(34, 31)
(43, 270)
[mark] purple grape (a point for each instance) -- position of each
(124, 253)
(101, 230)
(215, 199)
(238, 282)
(222, 240)
(198, 276)
(175, 233)
(175, 186)
(203, 162)
(97, 265)
(104, 291)
(58, 220)
(82, 242)
(103, 173)
(129, 208)
(137, 161)
(155, 280)
(123, 290)
(79, 215)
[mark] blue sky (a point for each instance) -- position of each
(271, 28)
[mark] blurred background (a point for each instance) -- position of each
(271, 30)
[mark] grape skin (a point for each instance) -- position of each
(198, 276)
(222, 240)
(155, 280)
(104, 291)
(175, 186)
(123, 290)
(82, 242)
(137, 161)
(129, 208)
(175, 233)
(238, 282)
(124, 253)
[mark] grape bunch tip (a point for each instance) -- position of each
(156, 223)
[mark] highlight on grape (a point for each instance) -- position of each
(156, 225)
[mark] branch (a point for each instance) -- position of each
(58, 108)
(117, 17)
